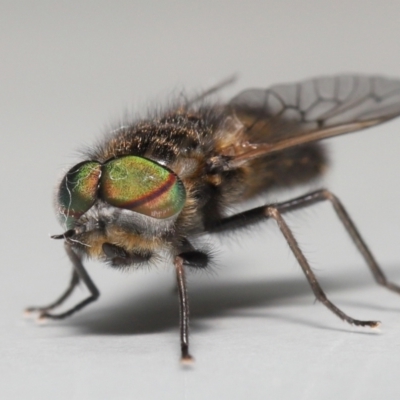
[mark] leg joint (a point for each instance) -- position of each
(272, 211)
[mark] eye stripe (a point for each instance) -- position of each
(157, 192)
(141, 185)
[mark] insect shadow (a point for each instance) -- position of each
(155, 311)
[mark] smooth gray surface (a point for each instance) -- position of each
(69, 70)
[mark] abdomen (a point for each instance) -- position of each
(284, 169)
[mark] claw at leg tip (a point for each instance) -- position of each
(376, 325)
(187, 360)
(41, 320)
(28, 313)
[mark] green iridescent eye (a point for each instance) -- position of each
(78, 192)
(143, 186)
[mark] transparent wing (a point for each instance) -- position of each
(287, 115)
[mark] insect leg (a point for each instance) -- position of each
(184, 310)
(84, 276)
(275, 211)
(73, 283)
(350, 227)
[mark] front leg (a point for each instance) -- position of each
(73, 283)
(79, 273)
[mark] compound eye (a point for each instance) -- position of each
(143, 186)
(78, 192)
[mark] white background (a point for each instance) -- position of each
(68, 70)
